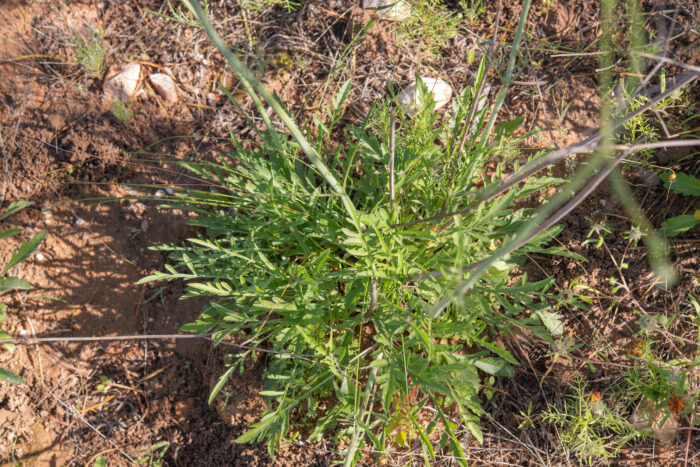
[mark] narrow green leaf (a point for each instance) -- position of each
(503, 353)
(10, 232)
(341, 96)
(14, 207)
(220, 384)
(11, 377)
(271, 393)
(455, 445)
(476, 431)
(11, 283)
(26, 249)
(258, 430)
(552, 321)
(495, 366)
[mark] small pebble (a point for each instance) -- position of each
(40, 257)
(169, 191)
(23, 333)
(165, 86)
(121, 82)
(400, 9)
(79, 221)
(213, 99)
(46, 214)
(440, 90)
(159, 193)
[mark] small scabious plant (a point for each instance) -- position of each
(344, 298)
(329, 257)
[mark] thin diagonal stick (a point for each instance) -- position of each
(43, 340)
(559, 215)
(587, 145)
(74, 412)
(392, 143)
(668, 60)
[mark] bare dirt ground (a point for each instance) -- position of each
(63, 148)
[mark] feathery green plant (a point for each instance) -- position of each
(256, 5)
(428, 26)
(89, 51)
(122, 111)
(588, 427)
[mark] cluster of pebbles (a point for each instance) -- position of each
(123, 82)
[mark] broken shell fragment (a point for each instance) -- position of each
(399, 9)
(439, 89)
(121, 82)
(165, 86)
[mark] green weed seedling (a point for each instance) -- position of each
(185, 17)
(257, 5)
(153, 454)
(528, 419)
(656, 382)
(122, 111)
(588, 428)
(472, 10)
(429, 26)
(89, 52)
(8, 283)
(638, 128)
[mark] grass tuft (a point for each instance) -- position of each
(89, 52)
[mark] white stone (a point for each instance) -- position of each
(398, 12)
(165, 86)
(159, 193)
(440, 90)
(121, 82)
